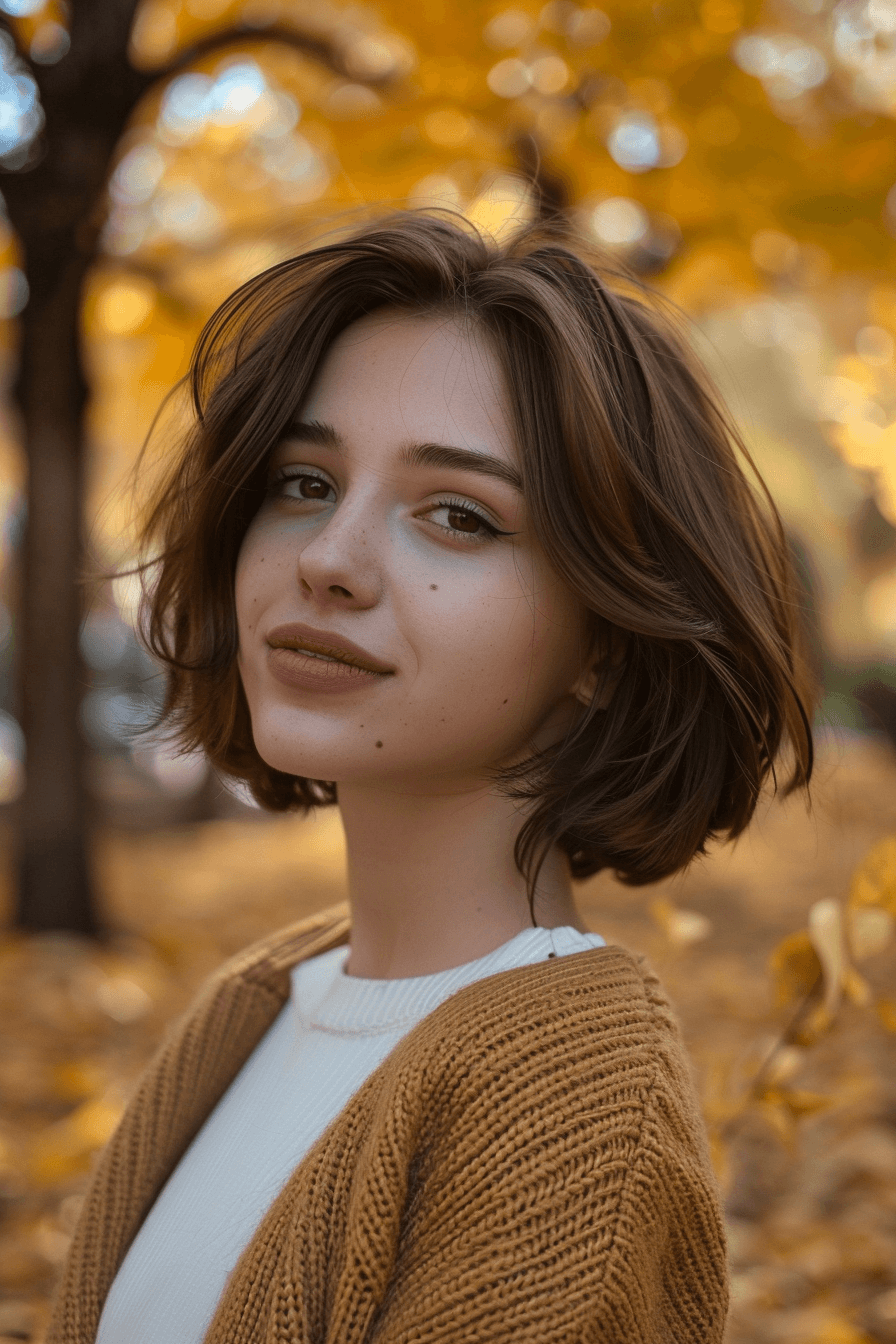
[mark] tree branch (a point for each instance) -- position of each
(165, 277)
(321, 49)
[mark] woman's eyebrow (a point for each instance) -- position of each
(417, 454)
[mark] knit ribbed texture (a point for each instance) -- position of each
(528, 1164)
(322, 1046)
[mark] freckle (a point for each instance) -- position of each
(505, 702)
(379, 744)
(433, 585)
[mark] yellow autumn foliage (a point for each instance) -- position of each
(874, 882)
(66, 1149)
(794, 966)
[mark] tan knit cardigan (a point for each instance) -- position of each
(527, 1166)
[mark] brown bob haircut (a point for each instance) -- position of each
(635, 492)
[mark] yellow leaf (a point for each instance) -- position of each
(797, 1101)
(874, 881)
(780, 1119)
(838, 1330)
(65, 1149)
(870, 930)
(816, 1024)
(801, 1102)
(50, 1164)
(785, 1062)
(856, 987)
(794, 966)
(886, 1011)
(94, 1122)
(681, 927)
(826, 935)
(78, 1078)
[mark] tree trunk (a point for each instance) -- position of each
(54, 887)
(56, 207)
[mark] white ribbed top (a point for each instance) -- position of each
(331, 1034)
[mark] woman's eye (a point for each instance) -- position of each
(464, 522)
(300, 485)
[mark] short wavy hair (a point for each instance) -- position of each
(637, 489)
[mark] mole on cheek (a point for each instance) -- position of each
(379, 744)
(433, 585)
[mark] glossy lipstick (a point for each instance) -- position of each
(319, 660)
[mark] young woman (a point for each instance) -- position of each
(460, 541)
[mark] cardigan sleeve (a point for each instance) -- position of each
(587, 1212)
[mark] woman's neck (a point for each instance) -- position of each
(433, 883)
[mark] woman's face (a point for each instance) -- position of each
(382, 526)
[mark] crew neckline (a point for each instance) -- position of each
(326, 998)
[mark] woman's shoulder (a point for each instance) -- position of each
(604, 985)
(583, 1049)
(583, 1017)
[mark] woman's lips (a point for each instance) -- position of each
(312, 672)
(307, 639)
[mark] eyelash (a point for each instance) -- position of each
(452, 502)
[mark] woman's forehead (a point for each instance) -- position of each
(424, 375)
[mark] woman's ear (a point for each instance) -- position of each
(604, 668)
(585, 686)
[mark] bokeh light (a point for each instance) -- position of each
(13, 291)
(21, 115)
(125, 305)
(634, 142)
(49, 44)
(12, 758)
(20, 9)
(787, 66)
(619, 221)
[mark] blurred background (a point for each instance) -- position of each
(742, 158)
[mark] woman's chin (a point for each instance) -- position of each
(326, 765)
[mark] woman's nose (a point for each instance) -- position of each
(340, 559)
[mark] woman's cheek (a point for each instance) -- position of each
(260, 570)
(245, 581)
